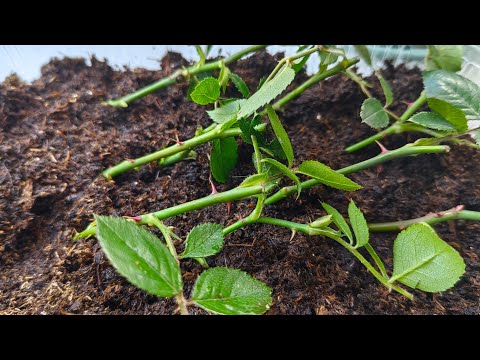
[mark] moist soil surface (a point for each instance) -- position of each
(56, 137)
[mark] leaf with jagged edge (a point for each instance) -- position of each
(287, 172)
(281, 134)
(240, 85)
(223, 158)
(206, 92)
(364, 53)
(432, 120)
(226, 112)
(338, 220)
(373, 114)
(387, 90)
(327, 175)
(359, 225)
(446, 57)
(203, 240)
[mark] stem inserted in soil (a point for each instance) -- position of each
(456, 213)
(172, 78)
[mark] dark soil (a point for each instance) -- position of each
(56, 137)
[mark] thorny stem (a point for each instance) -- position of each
(456, 213)
(395, 128)
(171, 150)
(407, 150)
(288, 59)
(205, 136)
(172, 78)
(325, 232)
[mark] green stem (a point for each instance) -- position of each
(153, 221)
(378, 261)
(173, 159)
(456, 213)
(395, 128)
(314, 80)
(171, 150)
(182, 303)
(407, 150)
(172, 78)
(417, 104)
(311, 231)
(287, 59)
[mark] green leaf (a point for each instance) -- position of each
(446, 57)
(327, 176)
(373, 113)
(432, 120)
(249, 128)
(256, 179)
(267, 92)
(359, 225)
(191, 87)
(281, 134)
(204, 240)
(208, 48)
(454, 89)
(387, 90)
(240, 85)
(299, 66)
(226, 112)
(286, 171)
(223, 77)
(453, 115)
(339, 221)
(364, 53)
(201, 54)
(223, 158)
(231, 292)
(206, 92)
(421, 260)
(139, 256)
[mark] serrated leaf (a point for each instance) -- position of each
(256, 179)
(421, 260)
(223, 158)
(226, 112)
(206, 92)
(453, 115)
(267, 92)
(359, 225)
(139, 256)
(446, 57)
(456, 90)
(339, 220)
(231, 292)
(204, 240)
(364, 53)
(432, 120)
(387, 90)
(327, 176)
(373, 114)
(240, 85)
(281, 134)
(286, 171)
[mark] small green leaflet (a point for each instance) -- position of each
(249, 128)
(240, 85)
(453, 115)
(339, 221)
(327, 176)
(201, 54)
(256, 179)
(446, 57)
(204, 240)
(287, 172)
(206, 91)
(223, 158)
(226, 112)
(223, 77)
(281, 134)
(387, 90)
(373, 113)
(139, 256)
(421, 260)
(359, 225)
(454, 89)
(231, 292)
(267, 92)
(432, 120)
(364, 53)
(300, 64)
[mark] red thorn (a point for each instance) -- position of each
(401, 227)
(229, 207)
(408, 103)
(134, 218)
(177, 140)
(214, 189)
(382, 148)
(379, 169)
(459, 208)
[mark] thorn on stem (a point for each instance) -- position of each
(408, 103)
(459, 208)
(212, 185)
(134, 218)
(294, 232)
(229, 207)
(382, 148)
